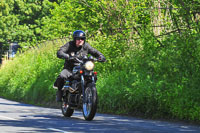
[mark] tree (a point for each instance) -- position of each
(21, 20)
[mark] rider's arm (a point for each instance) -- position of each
(62, 52)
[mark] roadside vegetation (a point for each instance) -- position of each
(153, 57)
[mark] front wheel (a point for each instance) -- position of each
(90, 102)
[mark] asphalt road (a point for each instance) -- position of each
(19, 118)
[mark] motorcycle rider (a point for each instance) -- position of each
(72, 50)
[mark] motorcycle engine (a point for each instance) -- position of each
(74, 99)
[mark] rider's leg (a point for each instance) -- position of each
(60, 84)
(60, 81)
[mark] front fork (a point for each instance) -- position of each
(83, 88)
(83, 84)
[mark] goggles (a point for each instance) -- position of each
(79, 38)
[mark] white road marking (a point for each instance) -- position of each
(7, 118)
(58, 130)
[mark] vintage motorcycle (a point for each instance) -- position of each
(80, 92)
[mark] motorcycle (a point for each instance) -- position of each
(80, 92)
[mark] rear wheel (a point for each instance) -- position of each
(66, 110)
(90, 102)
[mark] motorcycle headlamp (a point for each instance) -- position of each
(89, 65)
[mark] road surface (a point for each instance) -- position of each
(17, 117)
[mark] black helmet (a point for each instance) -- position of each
(79, 34)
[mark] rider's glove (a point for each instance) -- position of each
(73, 58)
(70, 58)
(102, 58)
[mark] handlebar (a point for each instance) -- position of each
(82, 60)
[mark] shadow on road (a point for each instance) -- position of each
(28, 118)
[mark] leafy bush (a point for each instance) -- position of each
(144, 74)
(29, 76)
(155, 81)
(147, 80)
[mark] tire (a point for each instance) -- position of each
(66, 110)
(90, 104)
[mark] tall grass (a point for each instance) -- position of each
(146, 79)
(29, 76)
(155, 81)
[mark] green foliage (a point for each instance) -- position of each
(30, 75)
(105, 17)
(158, 82)
(21, 21)
(162, 82)
(144, 75)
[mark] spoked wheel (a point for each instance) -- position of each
(90, 102)
(66, 110)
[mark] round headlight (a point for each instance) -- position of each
(89, 65)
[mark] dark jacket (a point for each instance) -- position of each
(70, 49)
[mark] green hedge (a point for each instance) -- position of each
(147, 79)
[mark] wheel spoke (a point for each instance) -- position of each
(90, 102)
